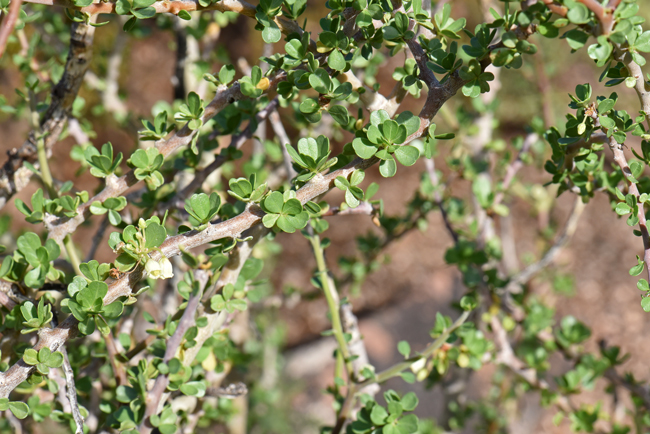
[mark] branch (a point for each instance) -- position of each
(567, 232)
(8, 24)
(515, 166)
(97, 238)
(433, 177)
(640, 85)
(356, 346)
(237, 142)
(621, 161)
(421, 59)
(116, 186)
(604, 15)
(173, 344)
(71, 392)
(506, 356)
(393, 371)
(281, 133)
(364, 208)
(174, 7)
(14, 176)
(333, 303)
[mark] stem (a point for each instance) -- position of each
(396, 369)
(392, 372)
(48, 181)
(46, 175)
(72, 254)
(333, 303)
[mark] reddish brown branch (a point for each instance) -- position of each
(604, 15)
(555, 8)
(8, 24)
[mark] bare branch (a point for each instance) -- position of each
(97, 239)
(281, 133)
(506, 356)
(71, 392)
(567, 232)
(8, 24)
(173, 344)
(433, 177)
(515, 166)
(174, 7)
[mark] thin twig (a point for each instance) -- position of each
(97, 239)
(173, 344)
(8, 24)
(364, 208)
(236, 142)
(515, 166)
(281, 133)
(433, 177)
(357, 347)
(71, 392)
(506, 356)
(567, 232)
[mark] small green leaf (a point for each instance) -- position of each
(19, 409)
(336, 61)
(388, 168)
(407, 155)
(404, 348)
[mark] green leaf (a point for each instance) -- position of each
(226, 73)
(19, 409)
(27, 245)
(292, 207)
(309, 106)
(388, 168)
(30, 356)
(144, 13)
(393, 132)
(578, 14)
(309, 147)
(404, 348)
(294, 48)
(408, 424)
(320, 81)
(274, 202)
(363, 148)
(409, 401)
(378, 415)
(271, 33)
(269, 220)
(407, 155)
(194, 388)
(154, 235)
(637, 269)
(645, 304)
(336, 61)
(125, 394)
(339, 114)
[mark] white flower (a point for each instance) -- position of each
(167, 270)
(159, 269)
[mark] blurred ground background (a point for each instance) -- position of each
(400, 301)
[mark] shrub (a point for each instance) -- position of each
(75, 348)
